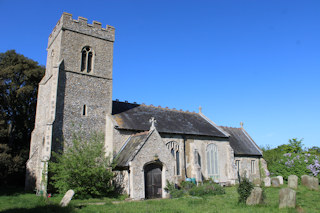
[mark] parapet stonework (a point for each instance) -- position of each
(81, 26)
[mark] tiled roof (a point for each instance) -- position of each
(241, 142)
(136, 117)
(129, 148)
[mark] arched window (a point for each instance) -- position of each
(174, 149)
(212, 162)
(86, 59)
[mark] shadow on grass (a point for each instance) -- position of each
(41, 209)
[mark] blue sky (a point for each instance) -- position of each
(255, 61)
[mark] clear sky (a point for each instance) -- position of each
(255, 61)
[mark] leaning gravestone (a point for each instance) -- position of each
(310, 182)
(255, 197)
(267, 182)
(275, 182)
(287, 198)
(280, 179)
(293, 181)
(67, 198)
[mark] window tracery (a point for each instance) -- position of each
(87, 59)
(212, 162)
(174, 149)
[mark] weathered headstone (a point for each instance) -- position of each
(275, 182)
(267, 181)
(67, 198)
(293, 181)
(287, 198)
(255, 197)
(310, 182)
(314, 183)
(304, 179)
(280, 179)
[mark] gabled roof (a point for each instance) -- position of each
(136, 117)
(241, 142)
(130, 148)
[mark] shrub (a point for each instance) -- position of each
(83, 167)
(244, 189)
(296, 164)
(207, 189)
(187, 185)
(174, 191)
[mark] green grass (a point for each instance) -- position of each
(308, 201)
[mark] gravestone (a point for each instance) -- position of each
(293, 181)
(267, 182)
(255, 197)
(275, 182)
(280, 179)
(310, 182)
(256, 181)
(304, 179)
(67, 198)
(287, 198)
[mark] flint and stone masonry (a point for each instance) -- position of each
(76, 95)
(68, 96)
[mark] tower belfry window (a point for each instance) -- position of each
(86, 59)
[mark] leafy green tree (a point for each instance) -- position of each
(83, 167)
(19, 78)
(11, 167)
(273, 156)
(314, 150)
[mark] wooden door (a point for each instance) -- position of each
(153, 181)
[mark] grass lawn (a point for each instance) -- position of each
(12, 201)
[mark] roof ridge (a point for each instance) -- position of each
(159, 107)
(231, 127)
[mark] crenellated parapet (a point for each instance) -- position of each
(81, 26)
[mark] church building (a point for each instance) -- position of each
(150, 145)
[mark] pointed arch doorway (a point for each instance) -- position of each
(153, 180)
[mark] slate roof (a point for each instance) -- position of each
(136, 117)
(241, 142)
(130, 148)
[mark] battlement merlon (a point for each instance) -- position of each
(81, 26)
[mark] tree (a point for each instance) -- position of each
(314, 150)
(19, 78)
(83, 167)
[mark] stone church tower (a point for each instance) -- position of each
(75, 93)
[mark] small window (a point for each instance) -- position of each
(252, 167)
(178, 162)
(86, 59)
(84, 110)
